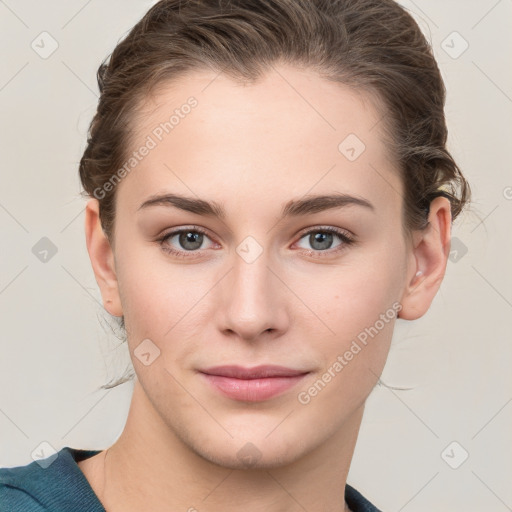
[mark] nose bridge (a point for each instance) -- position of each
(253, 302)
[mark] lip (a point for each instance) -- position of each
(252, 384)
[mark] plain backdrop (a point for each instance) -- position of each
(442, 444)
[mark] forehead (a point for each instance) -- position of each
(292, 132)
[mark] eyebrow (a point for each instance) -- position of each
(293, 208)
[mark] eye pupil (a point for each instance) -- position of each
(323, 238)
(191, 237)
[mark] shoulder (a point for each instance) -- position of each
(13, 495)
(19, 487)
(357, 502)
(54, 483)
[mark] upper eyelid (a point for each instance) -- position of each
(174, 232)
(331, 229)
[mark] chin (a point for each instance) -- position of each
(238, 442)
(249, 455)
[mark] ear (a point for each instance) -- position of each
(102, 259)
(429, 255)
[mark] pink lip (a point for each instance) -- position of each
(252, 384)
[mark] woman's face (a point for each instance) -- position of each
(274, 280)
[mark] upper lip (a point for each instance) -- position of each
(256, 372)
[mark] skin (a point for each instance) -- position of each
(252, 149)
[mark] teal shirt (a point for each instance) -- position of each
(57, 484)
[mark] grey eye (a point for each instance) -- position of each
(320, 240)
(188, 240)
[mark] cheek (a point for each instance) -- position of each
(354, 356)
(161, 301)
(354, 295)
(147, 292)
(357, 305)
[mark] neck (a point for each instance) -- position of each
(158, 471)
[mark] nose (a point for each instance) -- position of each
(253, 301)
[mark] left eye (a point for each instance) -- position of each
(322, 239)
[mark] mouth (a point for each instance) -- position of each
(252, 384)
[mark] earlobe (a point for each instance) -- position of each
(102, 259)
(428, 260)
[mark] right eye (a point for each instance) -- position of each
(189, 241)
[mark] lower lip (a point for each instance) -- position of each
(252, 390)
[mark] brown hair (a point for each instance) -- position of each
(371, 45)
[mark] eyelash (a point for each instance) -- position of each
(346, 239)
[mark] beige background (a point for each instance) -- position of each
(55, 345)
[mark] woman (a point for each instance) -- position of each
(269, 190)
